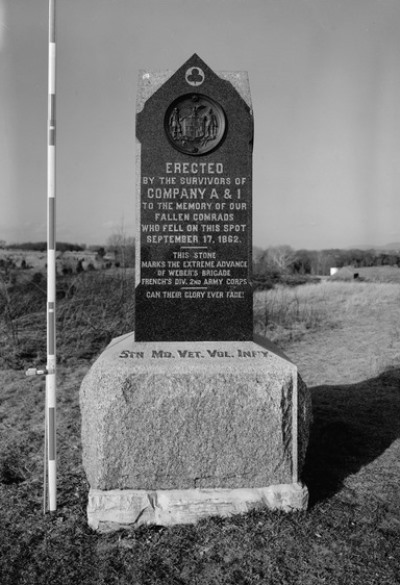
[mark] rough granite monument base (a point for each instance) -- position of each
(178, 431)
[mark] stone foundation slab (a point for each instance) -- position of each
(115, 509)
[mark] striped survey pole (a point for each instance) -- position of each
(51, 268)
(50, 370)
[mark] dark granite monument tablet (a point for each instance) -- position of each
(193, 273)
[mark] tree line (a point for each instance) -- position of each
(42, 247)
(120, 245)
(286, 260)
(273, 262)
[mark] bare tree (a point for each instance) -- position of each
(280, 257)
(123, 246)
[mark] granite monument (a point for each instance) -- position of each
(191, 415)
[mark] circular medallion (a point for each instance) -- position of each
(195, 124)
(195, 76)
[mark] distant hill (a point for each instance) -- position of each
(392, 247)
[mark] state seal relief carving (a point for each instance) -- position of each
(195, 124)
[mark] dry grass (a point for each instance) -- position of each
(337, 332)
(350, 534)
(92, 308)
(285, 314)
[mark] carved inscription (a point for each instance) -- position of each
(186, 354)
(202, 213)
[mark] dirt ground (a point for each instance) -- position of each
(354, 405)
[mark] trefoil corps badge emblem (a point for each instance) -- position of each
(195, 76)
(195, 124)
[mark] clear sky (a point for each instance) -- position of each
(325, 85)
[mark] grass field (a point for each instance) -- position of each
(334, 331)
(344, 338)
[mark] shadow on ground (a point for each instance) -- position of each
(353, 425)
